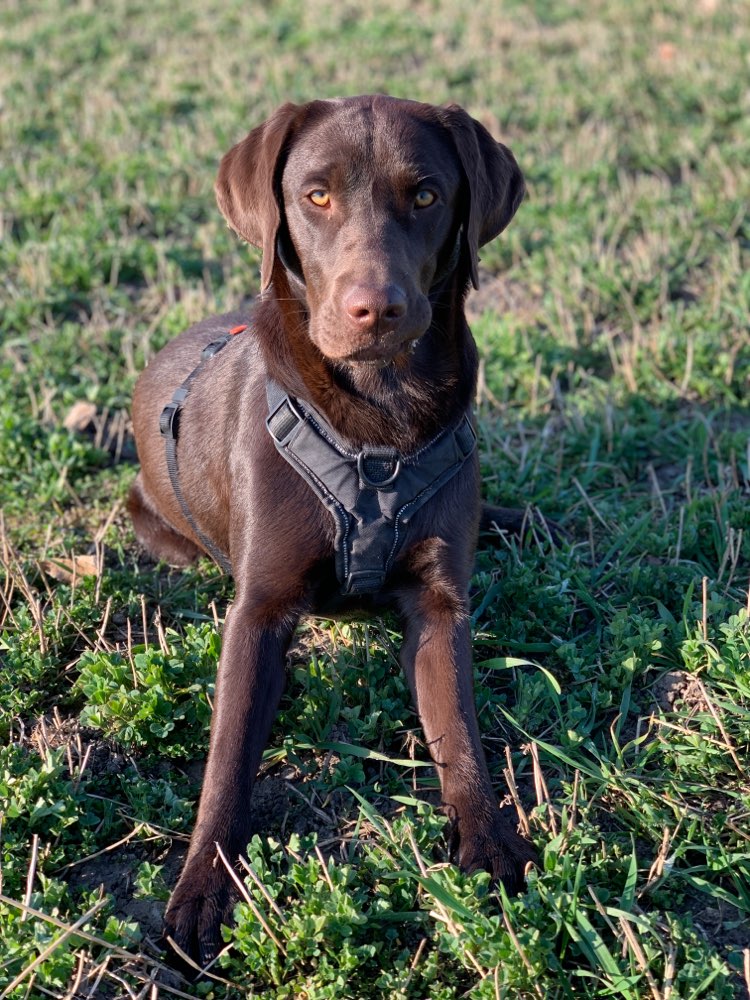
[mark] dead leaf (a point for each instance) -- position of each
(80, 416)
(66, 570)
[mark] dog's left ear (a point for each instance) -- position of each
(494, 180)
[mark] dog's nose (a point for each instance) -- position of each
(372, 308)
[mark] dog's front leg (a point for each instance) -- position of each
(249, 684)
(436, 657)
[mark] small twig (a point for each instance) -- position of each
(52, 947)
(31, 873)
(727, 742)
(418, 857)
(670, 968)
(271, 901)
(144, 618)
(657, 868)
(82, 764)
(540, 786)
(640, 957)
(318, 812)
(104, 850)
(73, 990)
(215, 613)
(323, 865)
(160, 635)
(130, 655)
(522, 955)
(677, 728)
(590, 504)
(603, 913)
(680, 532)
(657, 488)
(510, 780)
(102, 531)
(573, 817)
(415, 960)
(100, 976)
(442, 913)
(183, 954)
(100, 640)
(122, 982)
(248, 898)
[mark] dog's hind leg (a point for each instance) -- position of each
(153, 532)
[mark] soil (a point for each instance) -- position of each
(677, 689)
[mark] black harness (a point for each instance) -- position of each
(371, 493)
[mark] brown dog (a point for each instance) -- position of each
(370, 212)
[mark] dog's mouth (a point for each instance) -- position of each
(379, 356)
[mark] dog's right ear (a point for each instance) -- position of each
(246, 187)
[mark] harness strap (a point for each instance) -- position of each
(169, 426)
(371, 493)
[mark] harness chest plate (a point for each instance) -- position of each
(371, 493)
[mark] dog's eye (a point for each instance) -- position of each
(424, 198)
(320, 198)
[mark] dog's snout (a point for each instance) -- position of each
(375, 308)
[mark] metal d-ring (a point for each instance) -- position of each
(382, 484)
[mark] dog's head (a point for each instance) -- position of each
(371, 205)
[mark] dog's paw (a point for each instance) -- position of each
(501, 851)
(199, 905)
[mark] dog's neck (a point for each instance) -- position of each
(402, 404)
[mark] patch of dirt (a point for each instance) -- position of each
(679, 689)
(86, 749)
(724, 925)
(271, 805)
(115, 871)
(726, 929)
(50, 732)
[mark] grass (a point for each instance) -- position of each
(612, 671)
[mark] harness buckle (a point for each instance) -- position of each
(215, 346)
(378, 468)
(284, 419)
(169, 420)
(364, 581)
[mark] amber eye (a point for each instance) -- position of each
(424, 198)
(320, 198)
